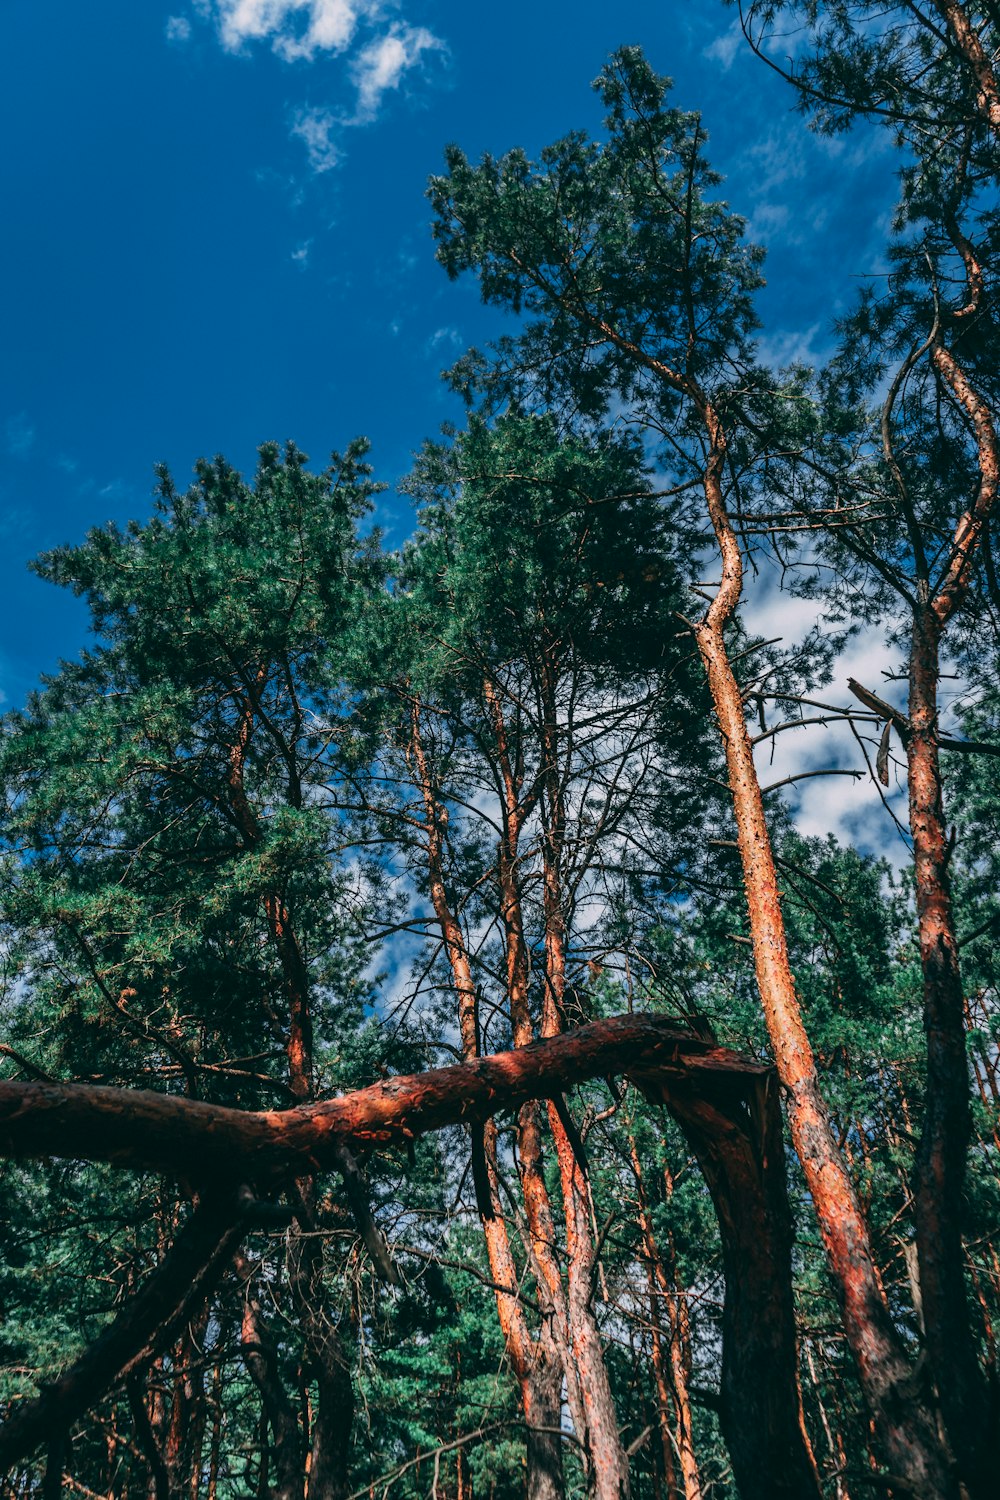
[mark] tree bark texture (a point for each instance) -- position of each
(904, 1423)
(139, 1129)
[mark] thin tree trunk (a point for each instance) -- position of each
(215, 1444)
(324, 1356)
(663, 1292)
(260, 1358)
(537, 1361)
(516, 808)
(904, 1422)
(939, 1171)
(833, 1439)
(608, 1462)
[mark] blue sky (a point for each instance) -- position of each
(215, 231)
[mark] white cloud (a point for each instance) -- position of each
(725, 47)
(444, 338)
(851, 809)
(810, 346)
(315, 128)
(381, 65)
(300, 255)
(177, 29)
(304, 30)
(296, 29)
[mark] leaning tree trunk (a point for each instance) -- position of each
(717, 1096)
(939, 1174)
(734, 1129)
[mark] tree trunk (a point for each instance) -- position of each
(537, 1361)
(608, 1470)
(663, 1290)
(905, 1424)
(740, 1153)
(324, 1357)
(939, 1172)
(260, 1358)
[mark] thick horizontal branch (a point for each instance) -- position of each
(721, 1099)
(146, 1131)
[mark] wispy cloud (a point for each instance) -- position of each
(296, 29)
(810, 346)
(315, 128)
(177, 29)
(381, 65)
(724, 48)
(303, 31)
(445, 339)
(19, 435)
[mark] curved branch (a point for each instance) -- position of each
(137, 1129)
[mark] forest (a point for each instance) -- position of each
(433, 1063)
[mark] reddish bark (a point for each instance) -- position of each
(597, 1418)
(187, 1403)
(947, 1123)
(664, 1297)
(740, 1153)
(905, 1425)
(149, 1130)
(138, 1129)
(965, 34)
(516, 807)
(970, 1415)
(537, 1359)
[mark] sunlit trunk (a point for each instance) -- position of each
(904, 1423)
